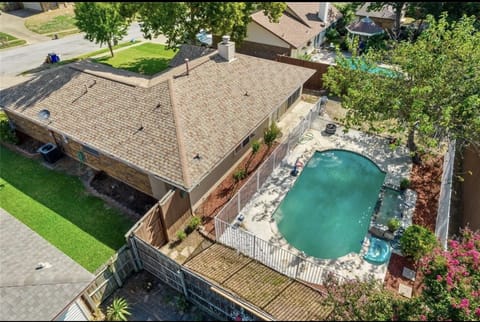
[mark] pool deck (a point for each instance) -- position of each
(258, 212)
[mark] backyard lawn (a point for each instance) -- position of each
(58, 208)
(147, 59)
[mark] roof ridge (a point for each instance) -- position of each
(178, 132)
(297, 15)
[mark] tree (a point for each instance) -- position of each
(432, 93)
(102, 22)
(179, 22)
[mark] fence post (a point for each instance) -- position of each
(129, 252)
(254, 246)
(111, 266)
(131, 241)
(258, 179)
(274, 155)
(182, 280)
(238, 201)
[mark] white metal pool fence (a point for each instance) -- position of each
(230, 234)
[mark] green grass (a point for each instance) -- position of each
(55, 24)
(147, 59)
(57, 207)
(10, 41)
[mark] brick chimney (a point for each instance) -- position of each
(226, 49)
(323, 11)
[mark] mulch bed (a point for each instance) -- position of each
(425, 180)
(225, 191)
(127, 196)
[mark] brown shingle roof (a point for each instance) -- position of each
(206, 113)
(276, 294)
(299, 26)
(365, 26)
(386, 12)
(191, 52)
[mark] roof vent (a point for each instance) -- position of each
(43, 265)
(225, 39)
(44, 114)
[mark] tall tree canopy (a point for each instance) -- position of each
(102, 22)
(434, 93)
(179, 22)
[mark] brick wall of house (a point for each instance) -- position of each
(111, 166)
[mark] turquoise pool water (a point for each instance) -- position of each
(374, 70)
(327, 212)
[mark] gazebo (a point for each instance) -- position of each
(364, 28)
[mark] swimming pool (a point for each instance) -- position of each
(327, 212)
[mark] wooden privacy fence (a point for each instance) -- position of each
(316, 81)
(193, 286)
(108, 278)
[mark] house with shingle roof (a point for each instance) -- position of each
(37, 282)
(172, 136)
(299, 30)
(384, 17)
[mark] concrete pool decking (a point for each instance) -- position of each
(258, 212)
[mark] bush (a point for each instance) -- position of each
(417, 242)
(181, 235)
(393, 224)
(271, 134)
(194, 222)
(239, 175)
(118, 310)
(404, 184)
(332, 34)
(6, 133)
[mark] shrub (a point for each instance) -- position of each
(452, 280)
(271, 134)
(194, 222)
(417, 241)
(181, 235)
(393, 224)
(239, 175)
(6, 133)
(404, 184)
(118, 310)
(332, 34)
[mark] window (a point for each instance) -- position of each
(237, 149)
(245, 142)
(91, 151)
(293, 97)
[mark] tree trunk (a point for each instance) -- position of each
(413, 147)
(398, 16)
(110, 47)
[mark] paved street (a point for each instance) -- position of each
(16, 60)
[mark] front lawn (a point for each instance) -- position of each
(60, 21)
(7, 41)
(147, 59)
(58, 208)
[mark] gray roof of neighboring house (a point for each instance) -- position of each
(27, 294)
(386, 12)
(191, 52)
(365, 26)
(299, 23)
(159, 124)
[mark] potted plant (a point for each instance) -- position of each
(404, 184)
(393, 224)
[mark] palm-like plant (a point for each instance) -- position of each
(118, 310)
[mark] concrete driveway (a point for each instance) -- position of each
(13, 23)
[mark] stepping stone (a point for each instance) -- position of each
(408, 273)
(405, 290)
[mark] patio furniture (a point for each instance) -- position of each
(330, 128)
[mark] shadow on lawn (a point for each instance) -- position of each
(66, 196)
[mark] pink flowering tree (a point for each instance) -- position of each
(452, 280)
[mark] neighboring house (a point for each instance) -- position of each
(299, 31)
(385, 17)
(29, 292)
(172, 136)
(41, 6)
